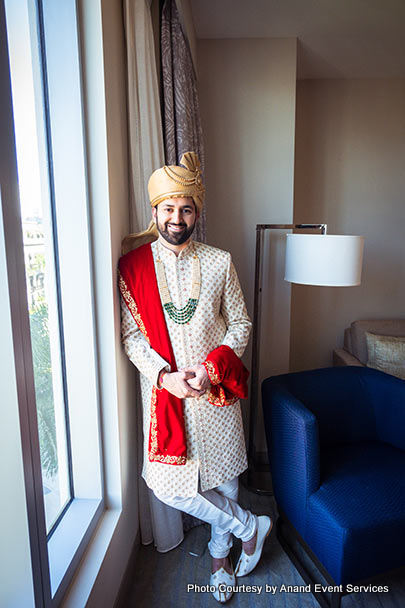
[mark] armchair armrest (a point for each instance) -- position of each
(292, 439)
(343, 357)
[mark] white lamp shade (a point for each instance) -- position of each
(324, 259)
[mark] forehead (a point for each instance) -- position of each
(178, 202)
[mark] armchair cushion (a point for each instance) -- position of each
(356, 519)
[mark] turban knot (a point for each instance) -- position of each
(172, 180)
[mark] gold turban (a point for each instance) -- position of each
(169, 182)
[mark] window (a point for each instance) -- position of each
(54, 320)
(43, 285)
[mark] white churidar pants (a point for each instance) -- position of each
(218, 507)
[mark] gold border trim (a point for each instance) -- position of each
(130, 302)
(212, 372)
(221, 401)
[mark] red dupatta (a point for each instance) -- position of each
(167, 435)
(138, 286)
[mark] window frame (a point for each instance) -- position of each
(55, 560)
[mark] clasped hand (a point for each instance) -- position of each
(187, 382)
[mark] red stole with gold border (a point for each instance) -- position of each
(138, 286)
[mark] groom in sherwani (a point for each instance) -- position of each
(185, 327)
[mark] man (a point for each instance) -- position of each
(185, 327)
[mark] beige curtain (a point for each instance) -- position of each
(159, 523)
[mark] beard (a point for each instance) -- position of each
(175, 238)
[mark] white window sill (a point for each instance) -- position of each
(65, 543)
(68, 544)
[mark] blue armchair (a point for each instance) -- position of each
(336, 440)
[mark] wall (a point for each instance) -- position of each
(247, 100)
(16, 576)
(349, 173)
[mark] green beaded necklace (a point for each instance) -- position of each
(183, 315)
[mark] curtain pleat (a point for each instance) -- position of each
(158, 522)
(181, 111)
(144, 122)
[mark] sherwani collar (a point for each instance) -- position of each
(167, 255)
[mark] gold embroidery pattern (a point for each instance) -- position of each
(130, 302)
(220, 400)
(212, 372)
(153, 455)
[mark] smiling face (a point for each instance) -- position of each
(175, 219)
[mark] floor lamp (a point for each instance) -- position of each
(311, 259)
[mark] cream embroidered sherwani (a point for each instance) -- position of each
(215, 439)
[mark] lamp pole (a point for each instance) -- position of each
(251, 479)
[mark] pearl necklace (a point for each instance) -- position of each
(182, 315)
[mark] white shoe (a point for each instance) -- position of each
(219, 578)
(247, 563)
